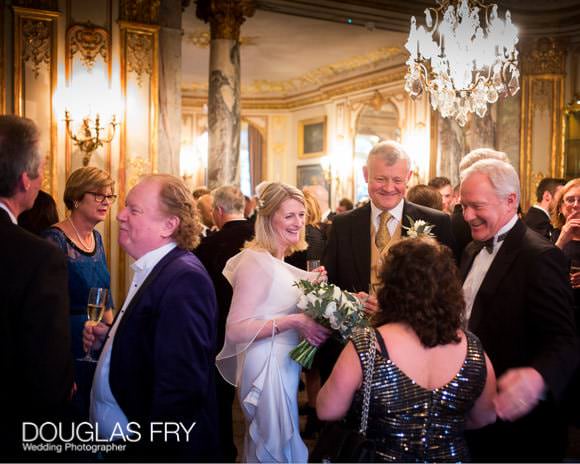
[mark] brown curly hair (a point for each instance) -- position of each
(420, 287)
(175, 199)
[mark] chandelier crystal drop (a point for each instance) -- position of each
(463, 64)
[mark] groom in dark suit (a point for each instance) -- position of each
(519, 303)
(35, 359)
(157, 365)
(359, 237)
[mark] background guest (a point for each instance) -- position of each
(538, 216)
(566, 233)
(35, 360)
(214, 251)
(432, 378)
(344, 205)
(424, 195)
(205, 206)
(88, 196)
(443, 186)
(42, 215)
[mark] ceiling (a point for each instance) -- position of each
(291, 47)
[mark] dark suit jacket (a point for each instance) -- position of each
(162, 358)
(538, 221)
(35, 356)
(348, 252)
(214, 251)
(523, 315)
(461, 230)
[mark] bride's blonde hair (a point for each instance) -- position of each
(270, 196)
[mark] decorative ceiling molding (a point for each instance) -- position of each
(315, 78)
(322, 94)
(534, 17)
(202, 39)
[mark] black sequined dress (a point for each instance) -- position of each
(410, 423)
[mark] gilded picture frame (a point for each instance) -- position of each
(312, 137)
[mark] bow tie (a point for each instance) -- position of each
(489, 243)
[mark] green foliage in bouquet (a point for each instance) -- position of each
(331, 307)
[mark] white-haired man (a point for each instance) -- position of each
(519, 303)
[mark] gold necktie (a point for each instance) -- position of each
(383, 236)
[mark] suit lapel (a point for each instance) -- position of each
(408, 211)
(499, 267)
(361, 245)
(168, 258)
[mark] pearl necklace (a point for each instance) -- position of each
(87, 248)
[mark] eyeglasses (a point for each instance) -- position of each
(571, 200)
(100, 197)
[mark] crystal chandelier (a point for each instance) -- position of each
(462, 64)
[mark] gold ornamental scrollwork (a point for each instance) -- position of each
(140, 11)
(90, 41)
(545, 55)
(139, 58)
(225, 16)
(138, 167)
(36, 44)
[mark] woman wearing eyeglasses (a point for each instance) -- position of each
(565, 214)
(88, 197)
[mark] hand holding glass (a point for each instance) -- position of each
(95, 309)
(312, 264)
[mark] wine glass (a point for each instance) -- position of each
(312, 264)
(95, 309)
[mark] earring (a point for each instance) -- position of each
(76, 204)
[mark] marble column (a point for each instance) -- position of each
(225, 18)
(169, 134)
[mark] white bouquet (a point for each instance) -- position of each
(331, 307)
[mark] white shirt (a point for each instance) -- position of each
(479, 268)
(104, 407)
(5, 208)
(394, 220)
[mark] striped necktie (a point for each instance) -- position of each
(383, 236)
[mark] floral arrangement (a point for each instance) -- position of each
(331, 307)
(419, 228)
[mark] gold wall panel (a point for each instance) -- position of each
(35, 78)
(139, 128)
(541, 95)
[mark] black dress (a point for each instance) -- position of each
(410, 423)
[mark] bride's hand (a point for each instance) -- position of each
(320, 275)
(314, 333)
(369, 302)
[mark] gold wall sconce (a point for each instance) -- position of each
(91, 135)
(90, 114)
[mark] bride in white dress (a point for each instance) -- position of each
(264, 325)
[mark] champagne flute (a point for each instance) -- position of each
(95, 309)
(312, 264)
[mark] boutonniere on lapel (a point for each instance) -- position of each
(419, 228)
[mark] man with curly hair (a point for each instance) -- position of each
(157, 364)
